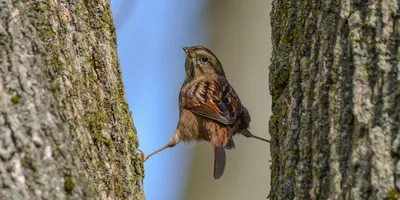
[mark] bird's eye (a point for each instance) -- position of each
(204, 59)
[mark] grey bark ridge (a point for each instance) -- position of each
(335, 84)
(66, 131)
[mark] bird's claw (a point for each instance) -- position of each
(142, 155)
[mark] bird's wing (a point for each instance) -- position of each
(213, 98)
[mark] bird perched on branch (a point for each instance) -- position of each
(210, 109)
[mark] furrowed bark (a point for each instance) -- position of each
(335, 84)
(65, 127)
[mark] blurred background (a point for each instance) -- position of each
(150, 38)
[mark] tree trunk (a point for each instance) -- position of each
(335, 84)
(65, 127)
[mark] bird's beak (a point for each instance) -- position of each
(189, 51)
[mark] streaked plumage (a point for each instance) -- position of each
(210, 109)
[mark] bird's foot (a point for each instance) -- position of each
(142, 156)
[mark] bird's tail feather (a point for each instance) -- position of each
(219, 162)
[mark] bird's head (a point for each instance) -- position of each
(200, 61)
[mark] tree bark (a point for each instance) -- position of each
(65, 126)
(335, 84)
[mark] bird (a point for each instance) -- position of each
(209, 108)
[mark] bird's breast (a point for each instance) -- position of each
(193, 127)
(190, 127)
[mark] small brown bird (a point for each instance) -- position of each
(210, 109)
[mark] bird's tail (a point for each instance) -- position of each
(221, 140)
(219, 162)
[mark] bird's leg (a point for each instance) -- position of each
(171, 143)
(247, 134)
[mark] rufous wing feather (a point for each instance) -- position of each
(215, 99)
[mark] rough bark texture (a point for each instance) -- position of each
(335, 84)
(65, 127)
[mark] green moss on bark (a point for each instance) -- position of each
(15, 100)
(69, 184)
